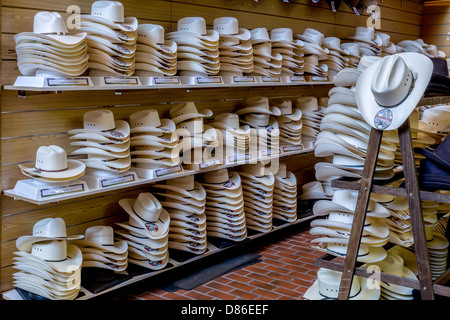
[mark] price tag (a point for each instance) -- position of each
(60, 190)
(240, 79)
(270, 79)
(319, 78)
(166, 171)
(117, 180)
(240, 157)
(271, 152)
(297, 78)
(205, 80)
(210, 163)
(167, 80)
(58, 82)
(293, 148)
(121, 80)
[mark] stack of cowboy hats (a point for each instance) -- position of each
(328, 282)
(225, 216)
(258, 183)
(111, 39)
(334, 231)
(105, 141)
(289, 122)
(314, 54)
(153, 141)
(419, 46)
(436, 119)
(311, 117)
(154, 55)
(235, 48)
(185, 200)
(235, 137)
(49, 49)
(353, 53)
(260, 115)
(285, 195)
(48, 266)
(369, 41)
(316, 190)
(395, 265)
(146, 231)
(266, 63)
(195, 134)
(337, 57)
(52, 165)
(291, 51)
(100, 250)
(387, 46)
(198, 48)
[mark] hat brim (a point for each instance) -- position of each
(130, 24)
(75, 169)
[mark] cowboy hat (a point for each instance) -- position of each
(149, 121)
(185, 186)
(195, 27)
(229, 27)
(111, 14)
(149, 264)
(387, 104)
(152, 35)
(314, 190)
(221, 179)
(327, 287)
(101, 238)
(185, 111)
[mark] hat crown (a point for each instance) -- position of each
(307, 104)
(110, 10)
(49, 23)
(281, 34)
(437, 118)
(345, 198)
(257, 170)
(367, 61)
(152, 32)
(147, 118)
(365, 33)
(101, 120)
(285, 105)
(103, 235)
(258, 119)
(185, 183)
(51, 158)
(182, 109)
(218, 176)
(54, 251)
(352, 48)
(332, 42)
(282, 171)
(193, 127)
(147, 207)
(329, 282)
(229, 119)
(195, 25)
(259, 34)
(385, 38)
(392, 264)
(226, 25)
(313, 36)
(257, 101)
(50, 227)
(313, 186)
(392, 81)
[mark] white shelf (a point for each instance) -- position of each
(144, 181)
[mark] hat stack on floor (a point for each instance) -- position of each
(52, 165)
(225, 216)
(50, 50)
(290, 50)
(311, 118)
(235, 137)
(289, 122)
(104, 140)
(395, 265)
(146, 231)
(196, 136)
(334, 230)
(285, 195)
(198, 48)
(185, 200)
(260, 115)
(314, 54)
(328, 283)
(369, 41)
(154, 55)
(353, 53)
(337, 57)
(235, 48)
(437, 246)
(100, 250)
(154, 143)
(48, 266)
(258, 184)
(111, 39)
(266, 62)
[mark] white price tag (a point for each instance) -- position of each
(60, 190)
(117, 180)
(58, 82)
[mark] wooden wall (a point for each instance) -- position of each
(44, 119)
(436, 24)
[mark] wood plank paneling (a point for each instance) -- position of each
(43, 119)
(436, 26)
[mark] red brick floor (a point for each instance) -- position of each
(287, 269)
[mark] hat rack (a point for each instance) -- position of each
(349, 267)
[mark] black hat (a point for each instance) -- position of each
(440, 81)
(334, 4)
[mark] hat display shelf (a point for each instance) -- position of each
(365, 186)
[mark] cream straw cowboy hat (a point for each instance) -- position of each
(186, 111)
(258, 104)
(149, 121)
(101, 238)
(229, 27)
(111, 14)
(388, 101)
(185, 186)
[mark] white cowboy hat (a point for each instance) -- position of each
(111, 14)
(229, 27)
(195, 27)
(221, 179)
(45, 230)
(185, 111)
(327, 287)
(185, 186)
(51, 164)
(387, 104)
(258, 104)
(149, 264)
(284, 37)
(189, 246)
(288, 113)
(345, 201)
(102, 238)
(257, 174)
(435, 119)
(366, 35)
(152, 35)
(313, 191)
(336, 233)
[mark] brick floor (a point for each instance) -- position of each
(286, 270)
